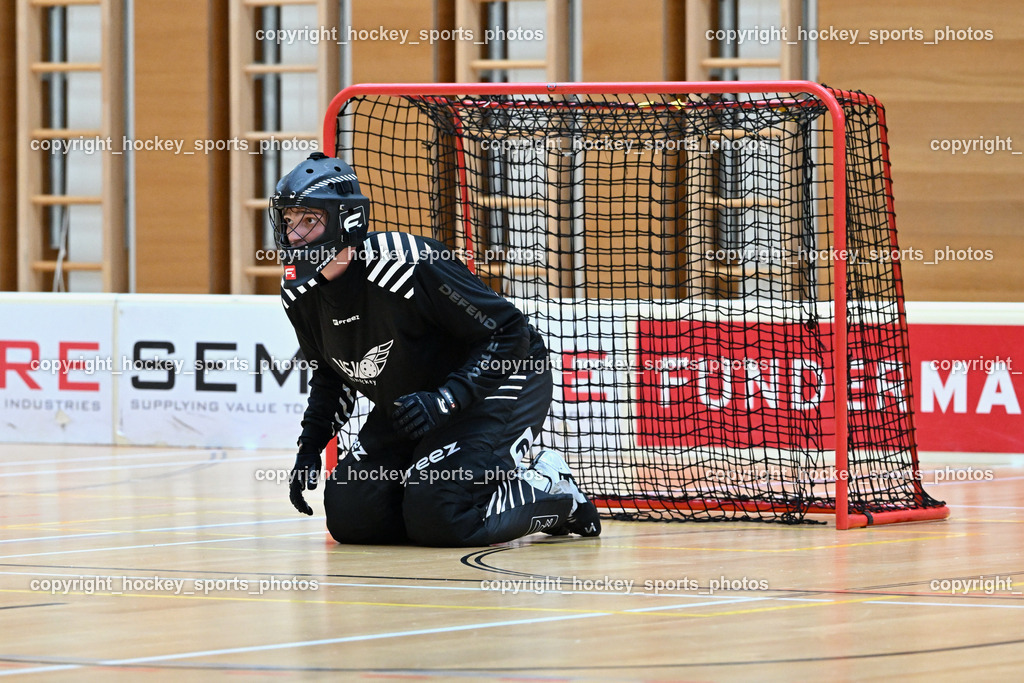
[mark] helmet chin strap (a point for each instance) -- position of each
(301, 264)
(337, 266)
(329, 261)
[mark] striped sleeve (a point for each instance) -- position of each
(394, 257)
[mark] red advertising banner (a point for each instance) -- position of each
(765, 385)
(758, 384)
(968, 381)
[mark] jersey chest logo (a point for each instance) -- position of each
(371, 365)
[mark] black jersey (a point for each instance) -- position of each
(405, 316)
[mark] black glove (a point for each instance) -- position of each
(416, 414)
(305, 474)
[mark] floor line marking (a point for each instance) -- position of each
(178, 463)
(119, 456)
(133, 547)
(932, 537)
(311, 643)
(195, 527)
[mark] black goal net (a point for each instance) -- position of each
(679, 252)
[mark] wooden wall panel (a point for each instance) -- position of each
(218, 169)
(180, 94)
(953, 90)
(390, 61)
(623, 41)
(674, 35)
(8, 153)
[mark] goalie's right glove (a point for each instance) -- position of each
(305, 475)
(424, 411)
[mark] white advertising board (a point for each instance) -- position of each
(56, 384)
(219, 371)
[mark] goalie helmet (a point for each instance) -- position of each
(330, 186)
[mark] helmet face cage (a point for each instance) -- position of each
(279, 205)
(330, 187)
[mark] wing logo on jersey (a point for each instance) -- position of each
(371, 365)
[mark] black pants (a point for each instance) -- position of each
(454, 487)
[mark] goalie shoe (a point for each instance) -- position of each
(550, 473)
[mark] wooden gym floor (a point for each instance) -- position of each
(117, 563)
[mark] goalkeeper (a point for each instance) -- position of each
(459, 380)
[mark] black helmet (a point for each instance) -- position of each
(328, 184)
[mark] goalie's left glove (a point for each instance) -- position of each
(424, 411)
(305, 475)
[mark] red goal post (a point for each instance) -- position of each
(421, 153)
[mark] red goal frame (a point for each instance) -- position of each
(845, 518)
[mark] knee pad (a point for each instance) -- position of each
(344, 529)
(437, 516)
(361, 516)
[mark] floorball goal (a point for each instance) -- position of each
(714, 266)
